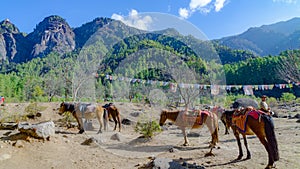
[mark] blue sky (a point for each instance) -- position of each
(215, 18)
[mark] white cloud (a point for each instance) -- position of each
(202, 6)
(183, 13)
(195, 4)
(134, 20)
(219, 4)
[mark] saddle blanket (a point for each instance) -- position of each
(194, 117)
(240, 120)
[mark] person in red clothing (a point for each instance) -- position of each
(1, 100)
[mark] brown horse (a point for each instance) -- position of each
(196, 119)
(256, 123)
(84, 110)
(114, 113)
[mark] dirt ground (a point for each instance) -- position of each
(65, 150)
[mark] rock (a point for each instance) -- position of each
(89, 142)
(116, 137)
(41, 130)
(126, 121)
(136, 114)
(18, 144)
(193, 134)
(164, 163)
(5, 157)
(8, 126)
(88, 125)
(297, 116)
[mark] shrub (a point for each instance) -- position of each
(147, 129)
(287, 97)
(34, 109)
(272, 102)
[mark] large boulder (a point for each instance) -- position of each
(41, 130)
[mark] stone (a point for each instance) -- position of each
(41, 130)
(116, 137)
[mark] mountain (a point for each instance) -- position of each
(54, 34)
(10, 40)
(267, 39)
(84, 32)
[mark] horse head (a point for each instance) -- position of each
(62, 108)
(163, 117)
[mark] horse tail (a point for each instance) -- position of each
(216, 126)
(105, 115)
(270, 134)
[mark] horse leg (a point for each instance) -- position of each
(236, 134)
(105, 119)
(186, 141)
(246, 145)
(100, 120)
(119, 122)
(226, 126)
(80, 124)
(115, 120)
(212, 124)
(269, 150)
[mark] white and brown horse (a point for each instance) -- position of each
(196, 119)
(86, 111)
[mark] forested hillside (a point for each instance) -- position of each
(141, 58)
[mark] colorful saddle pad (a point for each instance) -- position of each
(240, 121)
(194, 117)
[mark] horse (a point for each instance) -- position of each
(258, 123)
(114, 113)
(196, 119)
(85, 110)
(218, 110)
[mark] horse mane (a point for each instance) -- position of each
(229, 112)
(69, 106)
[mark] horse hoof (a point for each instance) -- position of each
(239, 157)
(212, 146)
(185, 144)
(81, 131)
(209, 154)
(248, 157)
(270, 166)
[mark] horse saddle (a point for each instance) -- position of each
(240, 119)
(194, 116)
(84, 106)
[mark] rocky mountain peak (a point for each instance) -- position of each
(7, 27)
(53, 34)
